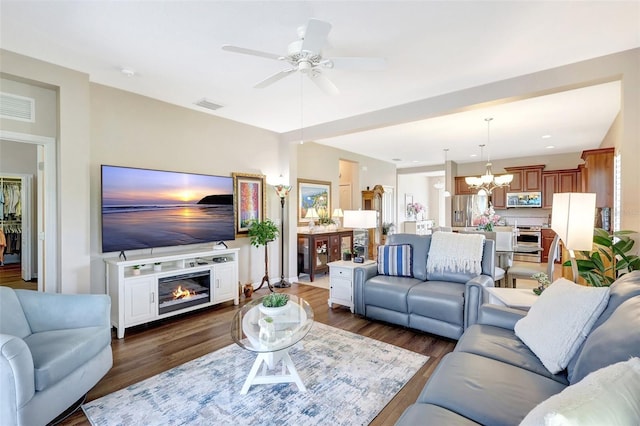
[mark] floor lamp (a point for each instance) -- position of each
(282, 191)
(572, 218)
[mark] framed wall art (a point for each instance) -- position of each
(248, 193)
(316, 194)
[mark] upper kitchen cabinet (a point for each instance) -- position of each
(499, 198)
(597, 175)
(462, 188)
(556, 181)
(526, 179)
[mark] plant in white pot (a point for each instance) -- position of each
(274, 304)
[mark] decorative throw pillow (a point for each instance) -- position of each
(608, 396)
(395, 260)
(559, 321)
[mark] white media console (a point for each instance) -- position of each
(148, 288)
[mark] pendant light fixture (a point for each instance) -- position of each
(441, 185)
(488, 182)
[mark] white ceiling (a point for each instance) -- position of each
(432, 48)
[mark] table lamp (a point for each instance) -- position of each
(572, 218)
(337, 214)
(312, 214)
(361, 220)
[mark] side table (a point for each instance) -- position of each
(341, 282)
(518, 298)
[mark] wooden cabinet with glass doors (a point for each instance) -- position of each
(316, 250)
(372, 200)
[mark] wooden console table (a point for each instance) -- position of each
(315, 250)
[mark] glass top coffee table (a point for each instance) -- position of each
(271, 335)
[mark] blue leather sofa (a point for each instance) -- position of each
(438, 303)
(53, 349)
(493, 378)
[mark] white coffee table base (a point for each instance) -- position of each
(269, 361)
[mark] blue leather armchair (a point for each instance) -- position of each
(439, 303)
(53, 349)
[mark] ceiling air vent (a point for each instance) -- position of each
(14, 107)
(205, 103)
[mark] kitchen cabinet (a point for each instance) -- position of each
(462, 188)
(526, 178)
(597, 175)
(547, 238)
(499, 198)
(315, 251)
(557, 181)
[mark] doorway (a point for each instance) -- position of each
(43, 168)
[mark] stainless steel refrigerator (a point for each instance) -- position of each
(464, 208)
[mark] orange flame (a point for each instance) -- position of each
(181, 293)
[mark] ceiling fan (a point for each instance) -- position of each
(305, 55)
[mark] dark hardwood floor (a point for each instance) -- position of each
(153, 348)
(11, 276)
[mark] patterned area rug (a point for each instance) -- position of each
(349, 380)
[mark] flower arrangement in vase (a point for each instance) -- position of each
(487, 220)
(543, 281)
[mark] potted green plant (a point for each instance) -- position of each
(274, 304)
(346, 254)
(611, 258)
(260, 234)
(387, 228)
(136, 269)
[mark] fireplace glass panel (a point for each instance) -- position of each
(183, 291)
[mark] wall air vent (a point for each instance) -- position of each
(14, 107)
(205, 103)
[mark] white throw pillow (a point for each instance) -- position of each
(608, 396)
(560, 320)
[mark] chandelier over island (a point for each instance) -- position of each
(488, 181)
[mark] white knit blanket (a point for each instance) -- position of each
(455, 252)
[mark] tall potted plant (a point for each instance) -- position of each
(260, 234)
(610, 258)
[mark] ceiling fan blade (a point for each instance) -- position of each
(245, 51)
(275, 77)
(359, 63)
(315, 36)
(323, 83)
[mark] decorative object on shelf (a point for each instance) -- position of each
(248, 193)
(573, 224)
(136, 269)
(337, 216)
(414, 209)
(261, 234)
(488, 182)
(282, 191)
(313, 194)
(360, 220)
(543, 282)
(274, 304)
(610, 260)
(247, 289)
(487, 220)
(346, 255)
(157, 266)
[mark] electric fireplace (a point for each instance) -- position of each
(182, 291)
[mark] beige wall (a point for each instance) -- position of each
(72, 149)
(45, 101)
(135, 131)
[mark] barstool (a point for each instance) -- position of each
(524, 272)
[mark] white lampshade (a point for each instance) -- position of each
(572, 218)
(337, 213)
(311, 213)
(360, 219)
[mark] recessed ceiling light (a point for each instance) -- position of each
(415, 161)
(546, 136)
(550, 146)
(473, 155)
(396, 159)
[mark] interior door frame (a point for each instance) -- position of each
(47, 216)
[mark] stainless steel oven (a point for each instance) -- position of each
(528, 246)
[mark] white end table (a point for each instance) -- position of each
(341, 278)
(518, 298)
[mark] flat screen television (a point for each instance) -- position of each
(144, 208)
